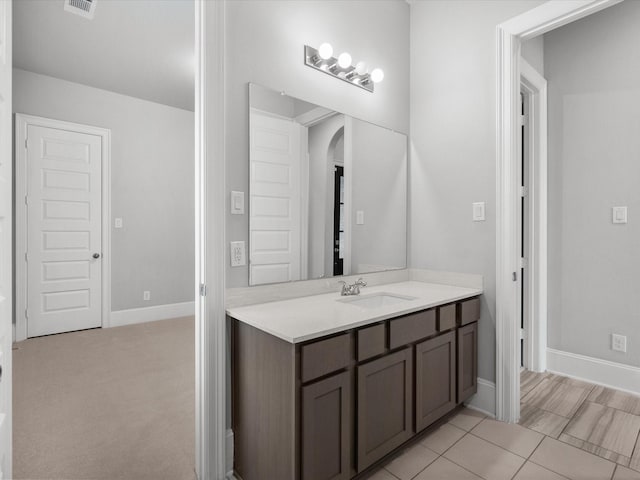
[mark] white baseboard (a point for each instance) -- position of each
(229, 457)
(151, 314)
(484, 401)
(594, 370)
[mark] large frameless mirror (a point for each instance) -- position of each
(327, 192)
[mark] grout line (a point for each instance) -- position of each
(428, 464)
(635, 450)
(410, 448)
(499, 446)
(527, 459)
(390, 473)
(586, 442)
(463, 467)
(616, 408)
(544, 466)
(454, 443)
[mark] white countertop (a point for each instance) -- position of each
(306, 318)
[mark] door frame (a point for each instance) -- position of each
(535, 87)
(22, 122)
(509, 38)
(213, 455)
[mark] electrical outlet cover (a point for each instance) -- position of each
(619, 343)
(238, 255)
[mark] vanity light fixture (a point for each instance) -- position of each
(322, 59)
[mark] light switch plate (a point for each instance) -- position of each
(619, 215)
(478, 212)
(360, 217)
(117, 223)
(237, 203)
(238, 255)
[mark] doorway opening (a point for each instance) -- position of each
(523, 229)
(338, 220)
(105, 131)
(511, 73)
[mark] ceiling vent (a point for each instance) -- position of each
(84, 8)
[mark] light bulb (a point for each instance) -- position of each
(361, 68)
(344, 60)
(377, 75)
(325, 51)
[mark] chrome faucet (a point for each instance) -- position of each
(353, 289)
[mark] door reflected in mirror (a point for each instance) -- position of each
(327, 192)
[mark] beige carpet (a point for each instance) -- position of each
(106, 404)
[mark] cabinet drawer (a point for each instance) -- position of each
(411, 328)
(469, 311)
(446, 317)
(371, 341)
(325, 356)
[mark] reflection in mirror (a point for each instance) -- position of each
(327, 192)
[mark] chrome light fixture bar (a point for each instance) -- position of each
(322, 59)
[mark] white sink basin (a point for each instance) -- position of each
(375, 300)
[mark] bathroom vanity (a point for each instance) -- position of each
(326, 386)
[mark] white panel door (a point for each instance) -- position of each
(274, 200)
(64, 256)
(6, 236)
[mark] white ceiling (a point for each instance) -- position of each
(141, 48)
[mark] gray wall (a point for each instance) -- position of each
(379, 181)
(593, 72)
(533, 53)
(152, 170)
(453, 136)
(264, 45)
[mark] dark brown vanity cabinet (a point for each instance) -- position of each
(467, 361)
(384, 405)
(326, 428)
(435, 379)
(330, 408)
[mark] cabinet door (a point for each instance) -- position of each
(385, 402)
(326, 420)
(435, 379)
(467, 361)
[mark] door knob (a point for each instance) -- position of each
(96, 255)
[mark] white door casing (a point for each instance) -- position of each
(6, 241)
(63, 212)
(274, 200)
(509, 36)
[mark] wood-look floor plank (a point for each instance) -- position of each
(605, 427)
(561, 398)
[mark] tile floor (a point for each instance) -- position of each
(568, 430)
